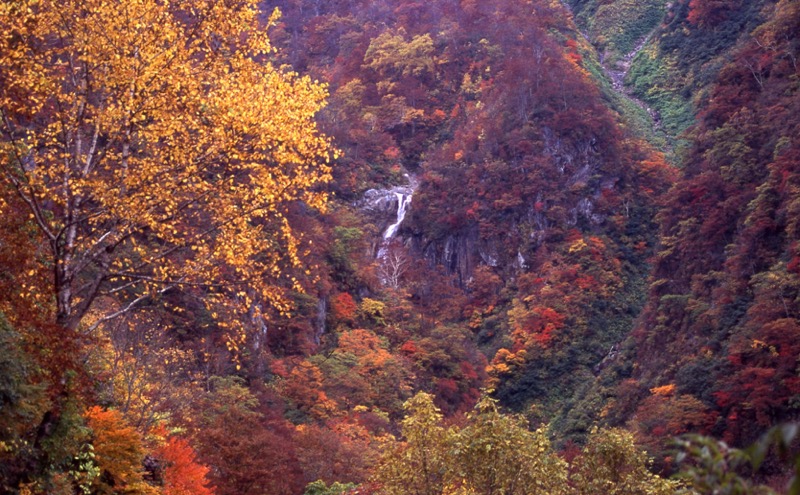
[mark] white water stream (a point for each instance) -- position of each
(403, 203)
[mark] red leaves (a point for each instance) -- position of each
(249, 453)
(763, 380)
(344, 308)
(794, 265)
(537, 326)
(409, 347)
(709, 13)
(468, 371)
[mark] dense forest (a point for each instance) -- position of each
(305, 247)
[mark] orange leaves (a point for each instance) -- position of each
(655, 174)
(392, 153)
(664, 390)
(504, 362)
(367, 347)
(303, 386)
(361, 371)
(573, 56)
(118, 451)
(361, 343)
(182, 473)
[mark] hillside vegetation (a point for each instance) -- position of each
(594, 246)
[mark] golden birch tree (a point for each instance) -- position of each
(155, 146)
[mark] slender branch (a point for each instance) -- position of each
(172, 283)
(90, 295)
(30, 197)
(91, 253)
(122, 287)
(124, 310)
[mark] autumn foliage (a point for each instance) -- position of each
(151, 160)
(199, 294)
(724, 291)
(182, 474)
(118, 451)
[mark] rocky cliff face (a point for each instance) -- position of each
(569, 200)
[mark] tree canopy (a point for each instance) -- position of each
(155, 146)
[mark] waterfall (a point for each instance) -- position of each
(388, 206)
(403, 202)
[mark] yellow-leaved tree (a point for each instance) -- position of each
(492, 454)
(155, 146)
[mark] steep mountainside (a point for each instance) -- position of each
(534, 200)
(715, 349)
(582, 212)
(724, 291)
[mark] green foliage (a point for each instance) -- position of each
(373, 311)
(674, 73)
(521, 167)
(343, 255)
(497, 454)
(22, 401)
(695, 45)
(563, 381)
(781, 439)
(45, 444)
(612, 464)
(637, 119)
(420, 465)
(85, 470)
(655, 79)
(711, 466)
(391, 55)
(725, 298)
(66, 452)
(320, 488)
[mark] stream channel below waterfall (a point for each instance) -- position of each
(617, 72)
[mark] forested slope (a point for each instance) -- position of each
(724, 294)
(594, 224)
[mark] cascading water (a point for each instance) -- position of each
(388, 207)
(403, 202)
